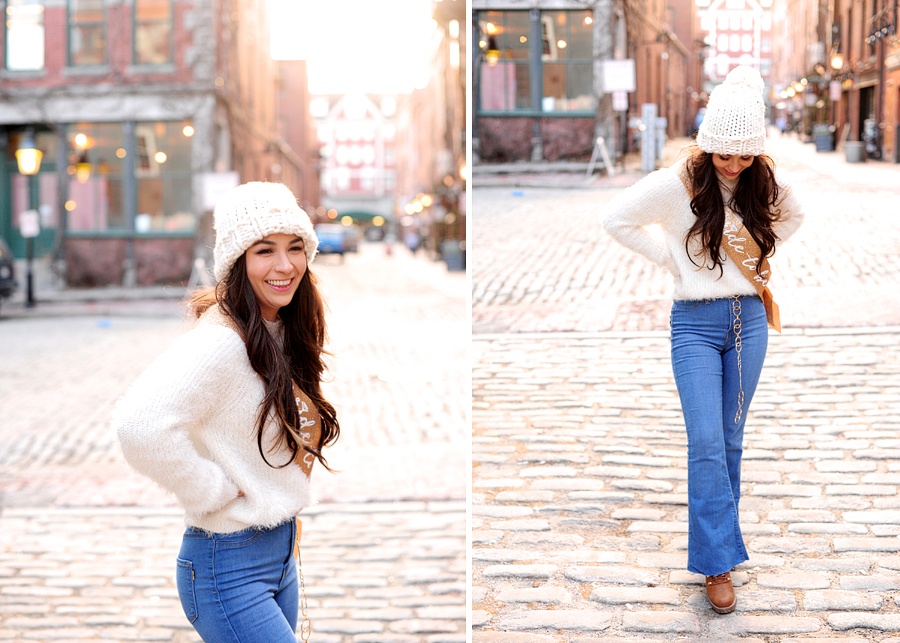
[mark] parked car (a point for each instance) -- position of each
(331, 238)
(8, 282)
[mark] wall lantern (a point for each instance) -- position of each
(28, 156)
(493, 53)
(837, 61)
(82, 167)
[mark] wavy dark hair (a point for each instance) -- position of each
(301, 361)
(755, 198)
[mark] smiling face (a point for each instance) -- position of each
(731, 166)
(275, 265)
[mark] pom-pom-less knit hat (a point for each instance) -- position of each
(255, 210)
(735, 116)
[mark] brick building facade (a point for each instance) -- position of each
(538, 85)
(144, 109)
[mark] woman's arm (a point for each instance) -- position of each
(648, 201)
(175, 394)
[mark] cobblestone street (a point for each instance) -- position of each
(87, 547)
(542, 261)
(579, 456)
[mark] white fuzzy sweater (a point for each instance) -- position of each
(661, 198)
(189, 423)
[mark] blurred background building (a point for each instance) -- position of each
(552, 76)
(839, 80)
(145, 111)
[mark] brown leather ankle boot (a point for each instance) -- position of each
(720, 592)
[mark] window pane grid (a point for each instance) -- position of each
(565, 52)
(87, 32)
(24, 35)
(153, 32)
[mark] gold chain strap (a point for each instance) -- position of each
(736, 309)
(305, 625)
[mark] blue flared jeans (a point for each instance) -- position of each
(240, 587)
(705, 361)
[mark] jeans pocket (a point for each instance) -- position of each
(184, 580)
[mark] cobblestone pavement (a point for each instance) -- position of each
(579, 492)
(579, 454)
(542, 262)
(87, 547)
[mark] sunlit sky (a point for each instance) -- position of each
(355, 46)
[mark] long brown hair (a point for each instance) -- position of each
(301, 361)
(755, 198)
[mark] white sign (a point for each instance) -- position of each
(215, 185)
(29, 223)
(620, 101)
(618, 75)
(834, 90)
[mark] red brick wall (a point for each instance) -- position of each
(92, 262)
(505, 140)
(119, 55)
(567, 139)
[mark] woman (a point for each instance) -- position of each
(231, 418)
(723, 211)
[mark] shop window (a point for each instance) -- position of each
(505, 73)
(164, 178)
(153, 28)
(94, 200)
(87, 32)
(24, 35)
(746, 43)
(564, 55)
(567, 66)
(162, 173)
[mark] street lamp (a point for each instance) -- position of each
(837, 61)
(28, 158)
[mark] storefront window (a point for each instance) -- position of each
(564, 54)
(163, 170)
(87, 32)
(97, 170)
(152, 32)
(94, 201)
(566, 58)
(24, 35)
(505, 74)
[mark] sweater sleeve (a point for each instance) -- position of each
(155, 418)
(791, 211)
(646, 202)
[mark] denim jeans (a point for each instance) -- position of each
(705, 363)
(240, 587)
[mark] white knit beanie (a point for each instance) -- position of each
(735, 116)
(253, 211)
